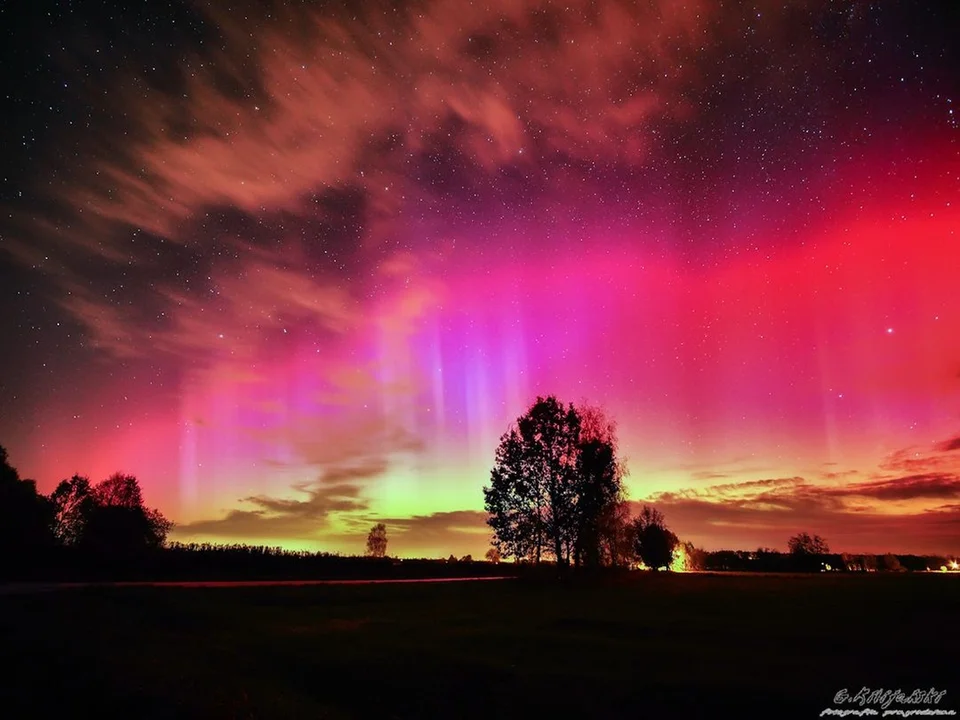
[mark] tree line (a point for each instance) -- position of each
(106, 522)
(555, 497)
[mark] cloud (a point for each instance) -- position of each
(929, 486)
(439, 534)
(709, 475)
(861, 516)
(303, 517)
(950, 445)
(298, 113)
(835, 475)
(915, 461)
(921, 460)
(750, 487)
(360, 434)
(320, 502)
(317, 99)
(471, 522)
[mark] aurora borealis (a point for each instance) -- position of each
(297, 267)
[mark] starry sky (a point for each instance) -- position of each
(297, 266)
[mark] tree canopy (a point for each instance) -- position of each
(556, 476)
(377, 541)
(807, 544)
(108, 518)
(655, 545)
(25, 515)
(104, 520)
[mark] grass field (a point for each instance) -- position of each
(649, 646)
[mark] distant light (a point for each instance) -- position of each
(890, 331)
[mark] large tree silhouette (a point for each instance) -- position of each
(555, 474)
(598, 489)
(109, 518)
(25, 516)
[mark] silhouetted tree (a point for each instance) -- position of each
(555, 473)
(599, 491)
(806, 544)
(807, 551)
(653, 542)
(616, 535)
(696, 557)
(117, 522)
(493, 555)
(377, 541)
(514, 501)
(25, 515)
(891, 563)
(467, 559)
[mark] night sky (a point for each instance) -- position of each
(297, 267)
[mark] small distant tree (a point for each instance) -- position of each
(653, 542)
(493, 555)
(869, 563)
(806, 544)
(467, 559)
(452, 558)
(377, 541)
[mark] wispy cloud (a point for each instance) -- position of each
(950, 445)
(854, 516)
(441, 533)
(298, 518)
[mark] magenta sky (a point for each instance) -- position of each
(315, 303)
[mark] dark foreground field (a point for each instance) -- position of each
(644, 647)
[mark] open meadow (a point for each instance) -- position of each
(668, 645)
